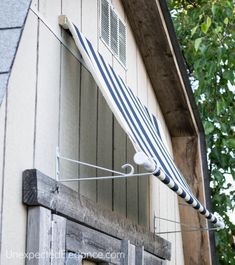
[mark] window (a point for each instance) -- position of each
(113, 31)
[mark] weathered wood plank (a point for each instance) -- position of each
(153, 260)
(129, 253)
(92, 244)
(58, 240)
(139, 255)
(38, 236)
(39, 189)
(73, 259)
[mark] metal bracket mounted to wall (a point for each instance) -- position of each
(139, 158)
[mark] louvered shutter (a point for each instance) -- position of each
(105, 29)
(122, 42)
(114, 31)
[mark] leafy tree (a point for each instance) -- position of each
(206, 32)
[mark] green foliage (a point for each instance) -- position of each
(206, 32)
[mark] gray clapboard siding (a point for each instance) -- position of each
(39, 189)
(143, 182)
(69, 114)
(89, 21)
(51, 10)
(132, 187)
(70, 96)
(144, 201)
(72, 9)
(171, 216)
(131, 78)
(88, 133)
(18, 141)
(119, 159)
(104, 151)
(163, 213)
(48, 87)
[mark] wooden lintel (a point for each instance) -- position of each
(40, 190)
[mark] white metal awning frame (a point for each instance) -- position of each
(140, 158)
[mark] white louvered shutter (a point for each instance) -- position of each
(114, 31)
(122, 42)
(105, 27)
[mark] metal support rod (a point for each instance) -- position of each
(172, 221)
(90, 165)
(107, 177)
(191, 228)
(118, 176)
(188, 230)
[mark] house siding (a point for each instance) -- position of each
(53, 101)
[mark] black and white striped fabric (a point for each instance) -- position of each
(141, 126)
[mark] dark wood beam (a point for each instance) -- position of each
(150, 34)
(40, 190)
(187, 158)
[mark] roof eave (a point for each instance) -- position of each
(156, 39)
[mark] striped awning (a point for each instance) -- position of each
(141, 126)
